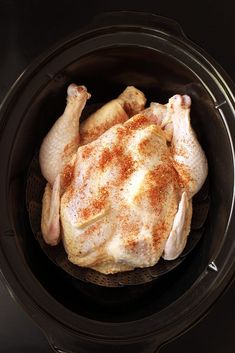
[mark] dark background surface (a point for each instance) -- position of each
(27, 28)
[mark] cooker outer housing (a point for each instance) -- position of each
(67, 330)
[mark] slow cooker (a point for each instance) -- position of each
(116, 50)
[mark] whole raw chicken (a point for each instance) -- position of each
(120, 185)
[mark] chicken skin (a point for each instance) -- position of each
(117, 213)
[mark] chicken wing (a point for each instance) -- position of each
(177, 239)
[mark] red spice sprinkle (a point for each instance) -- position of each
(137, 122)
(69, 192)
(86, 151)
(105, 158)
(121, 160)
(184, 177)
(91, 229)
(117, 151)
(71, 147)
(103, 192)
(121, 132)
(85, 213)
(132, 244)
(162, 176)
(126, 167)
(143, 146)
(158, 233)
(96, 205)
(67, 175)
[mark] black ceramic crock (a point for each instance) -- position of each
(117, 50)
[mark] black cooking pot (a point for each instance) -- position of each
(117, 50)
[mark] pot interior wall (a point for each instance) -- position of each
(106, 73)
